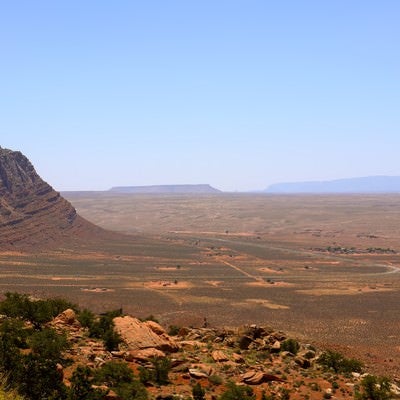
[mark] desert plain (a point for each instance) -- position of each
(325, 268)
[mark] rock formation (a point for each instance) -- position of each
(32, 213)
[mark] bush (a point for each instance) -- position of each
(159, 373)
(39, 378)
(81, 386)
(336, 361)
(86, 318)
(374, 388)
(235, 392)
(198, 392)
(290, 345)
(48, 344)
(37, 312)
(113, 374)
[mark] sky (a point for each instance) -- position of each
(239, 94)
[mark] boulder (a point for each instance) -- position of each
(219, 356)
(67, 317)
(139, 335)
(143, 355)
(276, 347)
(253, 377)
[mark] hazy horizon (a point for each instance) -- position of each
(238, 95)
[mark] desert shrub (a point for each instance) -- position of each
(81, 386)
(374, 388)
(37, 312)
(132, 391)
(215, 379)
(103, 328)
(198, 392)
(236, 392)
(86, 318)
(39, 378)
(173, 330)
(111, 340)
(120, 378)
(150, 317)
(8, 394)
(290, 345)
(337, 362)
(158, 374)
(113, 374)
(48, 344)
(162, 366)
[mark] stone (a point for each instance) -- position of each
(143, 355)
(276, 347)
(253, 377)
(302, 362)
(139, 335)
(219, 356)
(197, 374)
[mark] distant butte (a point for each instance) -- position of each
(165, 189)
(32, 213)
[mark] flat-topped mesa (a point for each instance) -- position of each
(31, 211)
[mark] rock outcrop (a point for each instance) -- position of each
(32, 213)
(138, 335)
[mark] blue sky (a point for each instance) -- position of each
(238, 94)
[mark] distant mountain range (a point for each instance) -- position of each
(368, 184)
(164, 189)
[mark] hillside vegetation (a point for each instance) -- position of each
(52, 349)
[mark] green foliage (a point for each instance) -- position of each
(336, 361)
(198, 392)
(103, 328)
(158, 374)
(12, 338)
(86, 318)
(235, 392)
(215, 379)
(150, 317)
(111, 340)
(374, 388)
(290, 345)
(113, 374)
(120, 378)
(81, 386)
(48, 344)
(132, 391)
(173, 330)
(37, 312)
(38, 378)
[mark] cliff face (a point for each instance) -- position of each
(31, 211)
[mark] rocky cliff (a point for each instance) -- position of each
(32, 213)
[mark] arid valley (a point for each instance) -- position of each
(324, 268)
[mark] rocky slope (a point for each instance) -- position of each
(273, 365)
(32, 213)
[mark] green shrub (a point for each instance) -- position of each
(86, 318)
(158, 374)
(198, 392)
(290, 345)
(338, 363)
(37, 312)
(38, 378)
(81, 386)
(374, 388)
(236, 392)
(48, 344)
(173, 330)
(113, 374)
(215, 379)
